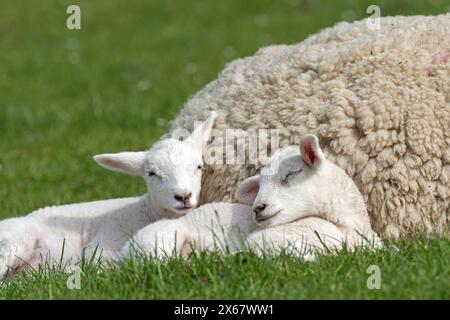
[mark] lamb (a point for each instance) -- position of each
(172, 170)
(379, 100)
(301, 202)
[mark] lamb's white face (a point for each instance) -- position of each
(289, 185)
(172, 169)
(173, 173)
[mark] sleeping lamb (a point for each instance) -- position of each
(172, 169)
(301, 202)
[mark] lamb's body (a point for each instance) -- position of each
(303, 237)
(379, 100)
(227, 227)
(83, 228)
(214, 225)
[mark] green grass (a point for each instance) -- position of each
(418, 269)
(114, 85)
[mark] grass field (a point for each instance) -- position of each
(415, 270)
(113, 86)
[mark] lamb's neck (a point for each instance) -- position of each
(342, 203)
(149, 209)
(342, 213)
(155, 212)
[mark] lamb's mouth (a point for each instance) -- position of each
(183, 208)
(264, 219)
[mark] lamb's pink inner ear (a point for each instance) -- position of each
(109, 162)
(309, 154)
(123, 166)
(252, 190)
(246, 192)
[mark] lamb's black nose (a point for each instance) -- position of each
(183, 197)
(257, 210)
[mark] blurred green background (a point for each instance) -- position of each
(66, 95)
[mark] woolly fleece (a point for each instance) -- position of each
(379, 101)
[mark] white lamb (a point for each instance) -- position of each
(172, 169)
(301, 202)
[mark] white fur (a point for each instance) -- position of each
(105, 226)
(310, 205)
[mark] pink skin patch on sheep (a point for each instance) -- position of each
(29, 263)
(441, 57)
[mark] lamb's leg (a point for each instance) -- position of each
(363, 237)
(97, 252)
(102, 248)
(303, 238)
(21, 245)
(161, 240)
(274, 241)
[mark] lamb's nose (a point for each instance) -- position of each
(257, 210)
(183, 197)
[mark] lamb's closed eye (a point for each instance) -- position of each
(289, 174)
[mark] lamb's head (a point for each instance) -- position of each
(172, 168)
(295, 183)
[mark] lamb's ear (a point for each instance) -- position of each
(126, 162)
(310, 151)
(202, 132)
(247, 190)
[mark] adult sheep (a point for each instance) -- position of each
(379, 100)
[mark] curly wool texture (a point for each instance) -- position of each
(379, 100)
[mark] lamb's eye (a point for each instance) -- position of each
(151, 174)
(200, 167)
(286, 177)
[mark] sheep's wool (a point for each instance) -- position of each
(379, 100)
